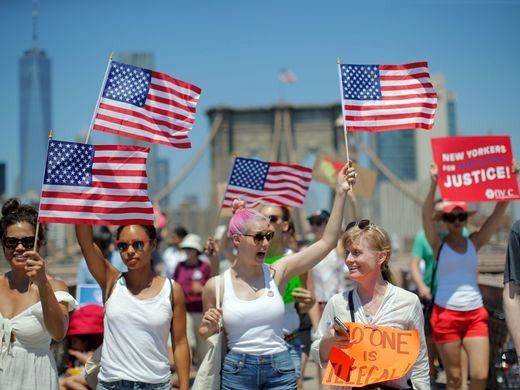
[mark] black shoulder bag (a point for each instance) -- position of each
(429, 306)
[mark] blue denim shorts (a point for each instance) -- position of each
(129, 385)
(295, 350)
(249, 372)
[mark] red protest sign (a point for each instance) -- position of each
(475, 168)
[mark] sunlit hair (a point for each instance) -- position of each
(378, 241)
(242, 217)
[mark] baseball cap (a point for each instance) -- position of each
(87, 319)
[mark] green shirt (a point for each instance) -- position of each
(293, 283)
(422, 249)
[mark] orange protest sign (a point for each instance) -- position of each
(326, 170)
(379, 354)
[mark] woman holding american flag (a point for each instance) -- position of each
(141, 311)
(252, 305)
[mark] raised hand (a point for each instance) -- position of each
(35, 268)
(434, 172)
(347, 177)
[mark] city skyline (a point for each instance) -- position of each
(235, 51)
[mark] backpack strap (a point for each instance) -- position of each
(435, 266)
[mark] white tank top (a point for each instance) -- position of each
(457, 286)
(136, 336)
(254, 327)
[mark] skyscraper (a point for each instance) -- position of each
(35, 116)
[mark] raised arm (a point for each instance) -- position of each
(490, 226)
(180, 346)
(55, 314)
(100, 268)
(427, 211)
(300, 262)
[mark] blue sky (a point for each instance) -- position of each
(234, 51)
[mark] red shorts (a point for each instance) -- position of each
(452, 325)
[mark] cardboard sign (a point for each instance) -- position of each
(326, 171)
(475, 169)
(380, 354)
(89, 293)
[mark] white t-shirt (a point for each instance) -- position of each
(329, 276)
(400, 309)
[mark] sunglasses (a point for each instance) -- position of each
(362, 224)
(450, 217)
(261, 236)
(316, 221)
(137, 245)
(12, 242)
(274, 218)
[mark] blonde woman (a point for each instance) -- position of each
(376, 301)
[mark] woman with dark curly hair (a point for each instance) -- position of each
(33, 307)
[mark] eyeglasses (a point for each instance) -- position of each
(362, 224)
(450, 217)
(137, 245)
(261, 236)
(12, 242)
(274, 218)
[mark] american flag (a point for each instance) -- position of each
(287, 77)
(255, 182)
(95, 184)
(146, 105)
(387, 97)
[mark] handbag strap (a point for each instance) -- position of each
(435, 266)
(219, 280)
(351, 305)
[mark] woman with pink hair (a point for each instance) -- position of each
(252, 305)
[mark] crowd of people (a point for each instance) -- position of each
(281, 298)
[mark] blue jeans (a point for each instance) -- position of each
(295, 350)
(249, 372)
(129, 385)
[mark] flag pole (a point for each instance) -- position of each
(341, 93)
(37, 230)
(99, 98)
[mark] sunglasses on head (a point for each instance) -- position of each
(261, 236)
(362, 224)
(137, 245)
(12, 242)
(450, 217)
